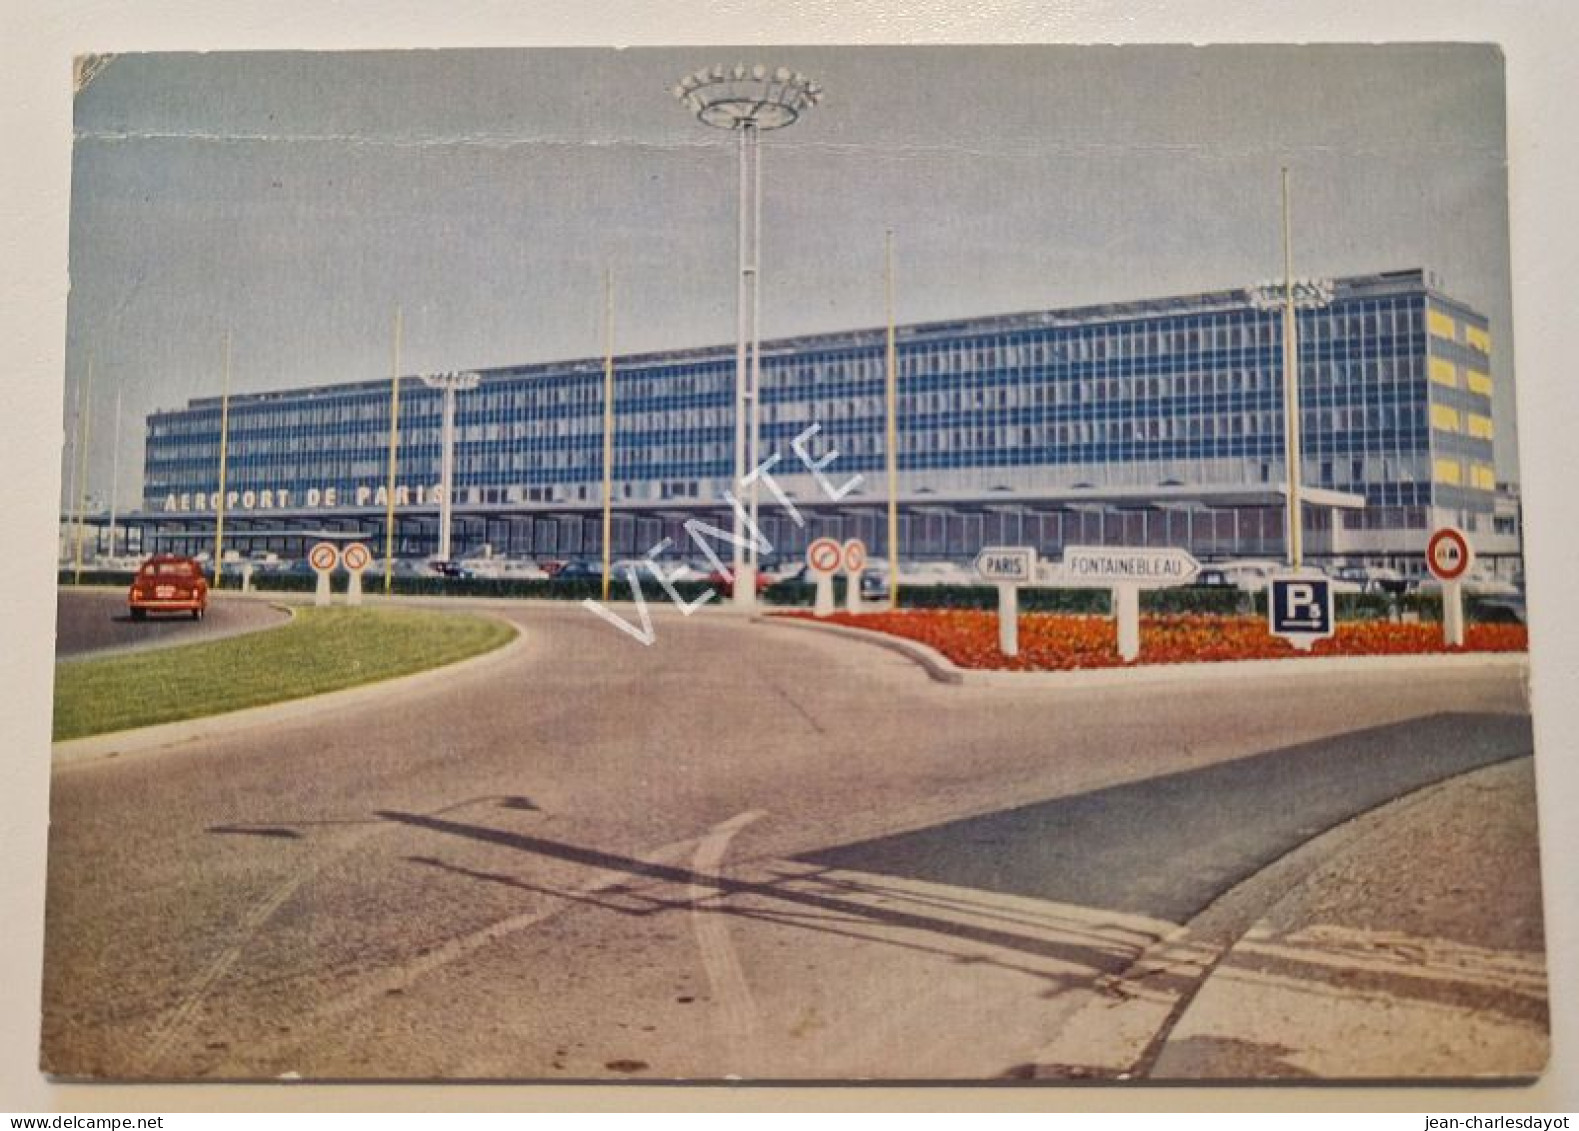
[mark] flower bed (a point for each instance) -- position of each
(969, 637)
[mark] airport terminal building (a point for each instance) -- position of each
(1155, 422)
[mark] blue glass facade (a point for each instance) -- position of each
(1028, 409)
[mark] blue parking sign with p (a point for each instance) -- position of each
(1300, 609)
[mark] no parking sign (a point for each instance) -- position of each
(323, 557)
(823, 558)
(356, 557)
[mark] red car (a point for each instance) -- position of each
(725, 583)
(169, 584)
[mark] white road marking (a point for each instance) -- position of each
(710, 924)
(377, 987)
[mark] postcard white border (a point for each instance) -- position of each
(39, 37)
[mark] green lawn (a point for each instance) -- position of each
(319, 650)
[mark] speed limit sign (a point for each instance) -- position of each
(1448, 554)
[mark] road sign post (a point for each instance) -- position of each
(323, 557)
(1299, 608)
(824, 557)
(854, 566)
(1008, 567)
(1009, 619)
(1124, 571)
(356, 557)
(1448, 555)
(1126, 609)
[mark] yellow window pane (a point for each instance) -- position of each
(1444, 418)
(1443, 372)
(1477, 338)
(1449, 471)
(1442, 325)
(1484, 477)
(1480, 426)
(1479, 383)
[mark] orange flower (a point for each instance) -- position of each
(1055, 642)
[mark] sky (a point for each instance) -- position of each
(295, 200)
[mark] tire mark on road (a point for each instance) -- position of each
(197, 990)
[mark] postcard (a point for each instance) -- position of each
(793, 564)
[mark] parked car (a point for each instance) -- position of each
(1374, 579)
(524, 570)
(579, 571)
(166, 583)
(450, 569)
(1212, 577)
(926, 575)
(1475, 584)
(725, 583)
(1250, 575)
(874, 582)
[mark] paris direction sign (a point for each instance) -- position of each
(1013, 565)
(1008, 567)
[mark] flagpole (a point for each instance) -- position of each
(608, 425)
(394, 448)
(73, 451)
(1291, 413)
(892, 388)
(82, 476)
(115, 470)
(224, 446)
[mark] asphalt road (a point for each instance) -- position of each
(96, 621)
(744, 850)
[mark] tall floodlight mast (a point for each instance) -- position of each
(450, 384)
(749, 101)
(1288, 295)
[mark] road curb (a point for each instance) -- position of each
(940, 668)
(1129, 1018)
(99, 747)
(116, 651)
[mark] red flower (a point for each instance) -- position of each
(1049, 642)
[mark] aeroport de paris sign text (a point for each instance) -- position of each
(312, 498)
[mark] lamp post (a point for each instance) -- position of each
(748, 100)
(450, 384)
(1289, 294)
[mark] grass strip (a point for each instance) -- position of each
(319, 650)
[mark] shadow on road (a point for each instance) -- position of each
(1077, 886)
(1168, 846)
(835, 910)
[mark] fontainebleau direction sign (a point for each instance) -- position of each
(1126, 570)
(1107, 566)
